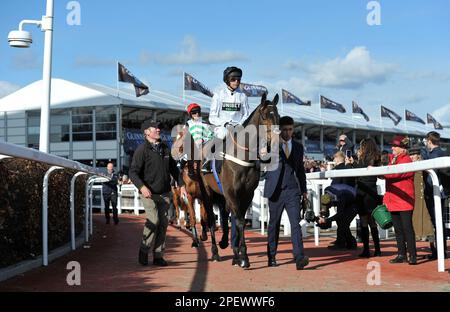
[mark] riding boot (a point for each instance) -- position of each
(376, 241)
(365, 240)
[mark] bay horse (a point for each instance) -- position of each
(240, 177)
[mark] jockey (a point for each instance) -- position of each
(199, 131)
(229, 106)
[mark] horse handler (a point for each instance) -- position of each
(150, 171)
(284, 188)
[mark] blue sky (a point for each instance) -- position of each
(306, 47)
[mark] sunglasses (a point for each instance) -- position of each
(195, 112)
(232, 79)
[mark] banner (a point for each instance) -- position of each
(437, 125)
(358, 110)
(329, 104)
(253, 90)
(125, 76)
(288, 97)
(385, 112)
(190, 83)
(132, 138)
(413, 117)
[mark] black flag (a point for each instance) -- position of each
(385, 112)
(413, 117)
(358, 110)
(437, 125)
(329, 104)
(288, 97)
(190, 83)
(253, 90)
(126, 76)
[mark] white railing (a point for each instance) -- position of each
(11, 150)
(425, 165)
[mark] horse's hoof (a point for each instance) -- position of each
(194, 245)
(245, 263)
(223, 244)
(216, 258)
(235, 262)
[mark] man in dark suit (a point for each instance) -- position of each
(109, 190)
(284, 187)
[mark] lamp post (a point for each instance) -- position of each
(22, 39)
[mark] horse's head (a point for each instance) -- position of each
(269, 117)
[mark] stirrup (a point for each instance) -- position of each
(206, 167)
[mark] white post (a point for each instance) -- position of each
(136, 201)
(316, 206)
(90, 208)
(86, 209)
(438, 219)
(47, 26)
(45, 215)
(72, 208)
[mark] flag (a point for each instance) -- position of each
(190, 83)
(288, 97)
(437, 125)
(385, 112)
(126, 76)
(413, 117)
(329, 104)
(358, 110)
(253, 90)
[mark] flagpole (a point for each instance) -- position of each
(404, 123)
(184, 87)
(117, 82)
(320, 108)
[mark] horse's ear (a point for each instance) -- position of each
(263, 98)
(275, 99)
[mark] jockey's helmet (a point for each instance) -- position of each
(193, 108)
(230, 72)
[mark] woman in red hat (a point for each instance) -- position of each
(399, 200)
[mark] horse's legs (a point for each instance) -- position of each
(240, 224)
(212, 228)
(192, 221)
(175, 199)
(204, 222)
(225, 227)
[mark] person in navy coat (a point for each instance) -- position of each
(284, 187)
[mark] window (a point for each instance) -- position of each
(82, 124)
(105, 123)
(59, 126)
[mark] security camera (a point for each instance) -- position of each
(20, 39)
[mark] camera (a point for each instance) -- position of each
(20, 39)
(348, 153)
(324, 212)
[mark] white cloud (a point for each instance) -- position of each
(93, 61)
(442, 114)
(7, 88)
(353, 71)
(25, 60)
(190, 54)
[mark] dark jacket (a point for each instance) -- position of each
(152, 166)
(111, 186)
(296, 161)
(349, 181)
